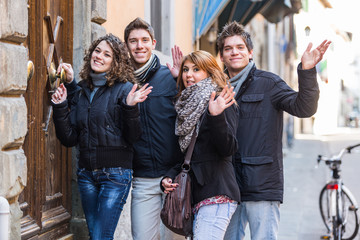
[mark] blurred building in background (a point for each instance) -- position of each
(339, 71)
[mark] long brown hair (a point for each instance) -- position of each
(205, 61)
(121, 66)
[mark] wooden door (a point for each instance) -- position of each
(46, 199)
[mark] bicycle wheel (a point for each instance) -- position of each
(350, 218)
(324, 204)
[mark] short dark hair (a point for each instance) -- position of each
(138, 23)
(234, 29)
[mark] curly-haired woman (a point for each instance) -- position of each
(101, 116)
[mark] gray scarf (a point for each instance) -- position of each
(239, 78)
(99, 80)
(191, 104)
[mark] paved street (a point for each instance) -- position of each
(300, 216)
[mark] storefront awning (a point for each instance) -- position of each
(206, 12)
(242, 11)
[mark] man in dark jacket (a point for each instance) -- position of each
(262, 97)
(158, 149)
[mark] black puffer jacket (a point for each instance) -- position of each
(104, 129)
(262, 99)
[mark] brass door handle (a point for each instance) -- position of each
(53, 76)
(30, 70)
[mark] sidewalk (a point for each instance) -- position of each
(300, 216)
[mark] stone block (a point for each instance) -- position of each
(13, 68)
(98, 11)
(15, 220)
(13, 173)
(79, 228)
(13, 20)
(82, 26)
(123, 229)
(97, 31)
(13, 122)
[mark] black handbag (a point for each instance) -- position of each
(176, 213)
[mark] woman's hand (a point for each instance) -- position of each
(59, 95)
(223, 101)
(168, 185)
(68, 71)
(140, 95)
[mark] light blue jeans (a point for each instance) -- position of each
(103, 194)
(263, 218)
(146, 202)
(211, 221)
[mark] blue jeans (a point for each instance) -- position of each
(103, 194)
(263, 218)
(211, 221)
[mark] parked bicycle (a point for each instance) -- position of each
(338, 206)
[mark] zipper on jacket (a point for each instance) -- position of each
(89, 108)
(147, 125)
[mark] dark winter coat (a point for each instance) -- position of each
(212, 172)
(262, 99)
(158, 149)
(104, 129)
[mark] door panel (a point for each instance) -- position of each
(46, 200)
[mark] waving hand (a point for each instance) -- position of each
(223, 101)
(177, 57)
(310, 58)
(140, 95)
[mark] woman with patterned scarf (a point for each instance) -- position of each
(205, 105)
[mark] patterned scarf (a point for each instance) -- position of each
(144, 73)
(191, 104)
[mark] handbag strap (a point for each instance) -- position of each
(190, 149)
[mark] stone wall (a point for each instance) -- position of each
(13, 110)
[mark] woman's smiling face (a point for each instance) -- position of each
(192, 74)
(101, 58)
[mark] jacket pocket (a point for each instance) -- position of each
(256, 173)
(251, 105)
(113, 122)
(256, 160)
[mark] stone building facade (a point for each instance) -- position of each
(13, 110)
(14, 119)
